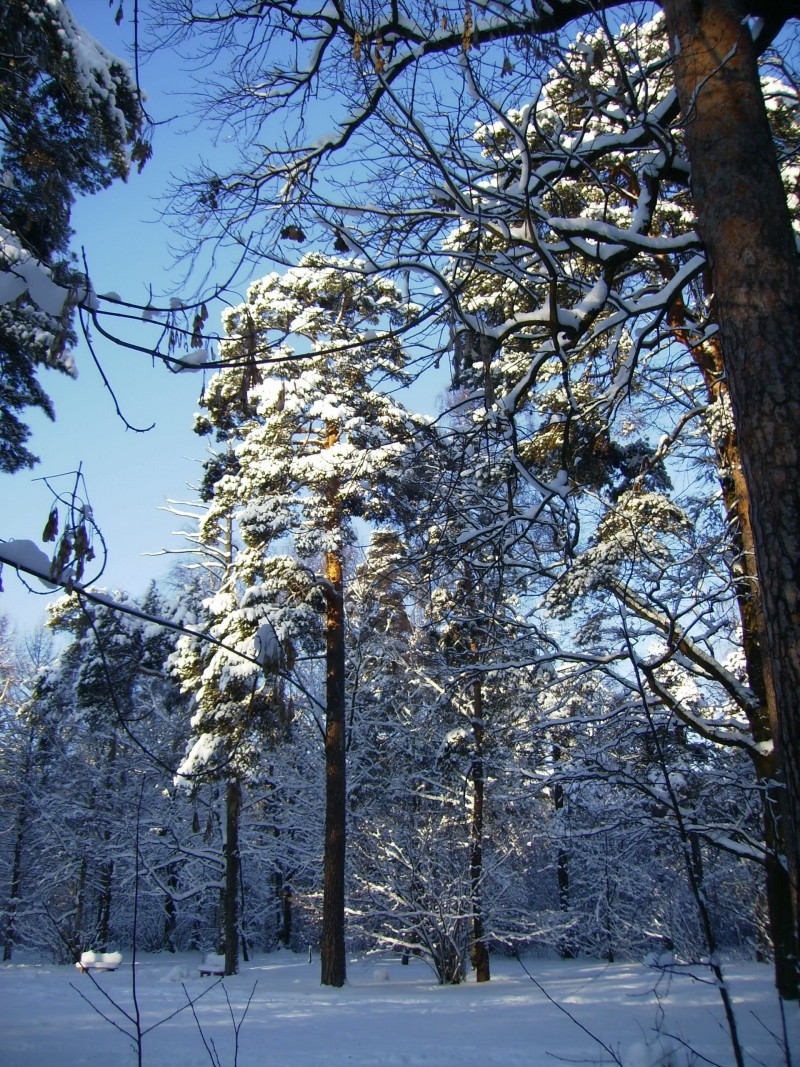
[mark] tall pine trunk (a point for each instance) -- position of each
(22, 821)
(744, 221)
(283, 908)
(230, 900)
(762, 719)
(170, 912)
(332, 948)
(106, 884)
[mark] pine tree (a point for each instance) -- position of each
(313, 444)
(622, 438)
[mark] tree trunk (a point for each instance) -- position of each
(286, 914)
(562, 864)
(478, 949)
(736, 499)
(332, 949)
(744, 221)
(230, 900)
(242, 914)
(75, 937)
(283, 909)
(14, 888)
(104, 905)
(106, 881)
(170, 913)
(20, 833)
(762, 722)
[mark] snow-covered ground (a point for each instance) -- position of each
(387, 1015)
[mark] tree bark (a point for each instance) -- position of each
(562, 863)
(744, 222)
(242, 919)
(332, 948)
(230, 921)
(283, 908)
(478, 950)
(16, 885)
(107, 870)
(170, 913)
(75, 936)
(104, 904)
(762, 719)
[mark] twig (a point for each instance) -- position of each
(102, 1014)
(181, 1009)
(781, 1041)
(87, 337)
(569, 1014)
(136, 880)
(237, 1026)
(212, 1052)
(694, 876)
(692, 1049)
(208, 1043)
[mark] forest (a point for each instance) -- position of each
(514, 673)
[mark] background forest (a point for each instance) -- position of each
(484, 678)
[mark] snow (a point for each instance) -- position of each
(193, 360)
(387, 1014)
(49, 296)
(20, 271)
(12, 285)
(98, 72)
(755, 25)
(28, 555)
(559, 486)
(268, 649)
(99, 961)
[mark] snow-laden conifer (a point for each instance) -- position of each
(313, 442)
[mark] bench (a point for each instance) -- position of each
(213, 964)
(99, 961)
